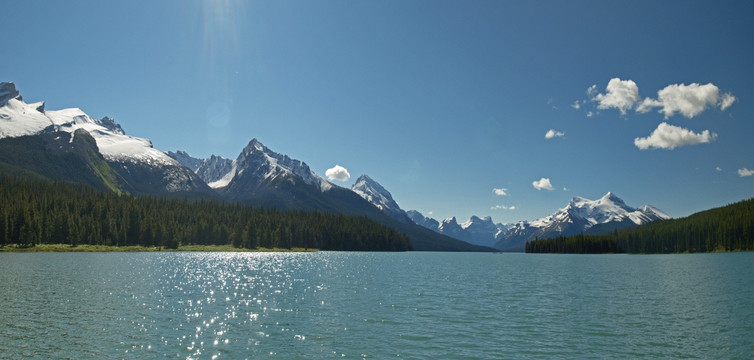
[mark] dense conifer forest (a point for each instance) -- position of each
(37, 212)
(728, 228)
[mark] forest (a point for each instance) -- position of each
(36, 212)
(728, 228)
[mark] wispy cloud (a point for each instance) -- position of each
(553, 133)
(590, 91)
(669, 137)
(543, 184)
(726, 101)
(503, 207)
(338, 173)
(743, 172)
(500, 191)
(576, 105)
(718, 168)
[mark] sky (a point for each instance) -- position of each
(491, 108)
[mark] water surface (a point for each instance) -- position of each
(375, 305)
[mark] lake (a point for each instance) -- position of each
(375, 305)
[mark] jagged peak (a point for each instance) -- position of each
(256, 145)
(8, 91)
(110, 124)
(450, 220)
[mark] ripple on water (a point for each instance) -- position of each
(375, 305)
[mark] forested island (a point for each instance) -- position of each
(35, 212)
(728, 228)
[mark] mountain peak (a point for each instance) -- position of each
(8, 91)
(264, 164)
(377, 195)
(257, 145)
(110, 124)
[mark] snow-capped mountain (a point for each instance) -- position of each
(482, 231)
(580, 216)
(378, 196)
(136, 158)
(477, 231)
(423, 221)
(210, 169)
(257, 165)
(185, 159)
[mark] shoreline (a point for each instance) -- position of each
(137, 248)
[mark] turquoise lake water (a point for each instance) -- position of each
(375, 305)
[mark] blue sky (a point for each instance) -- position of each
(442, 102)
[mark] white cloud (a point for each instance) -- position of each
(688, 100)
(337, 172)
(543, 183)
(621, 94)
(503, 207)
(742, 172)
(718, 168)
(726, 101)
(500, 191)
(552, 133)
(576, 105)
(565, 188)
(670, 137)
(589, 114)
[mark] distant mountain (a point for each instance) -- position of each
(580, 216)
(211, 169)
(423, 221)
(144, 169)
(68, 145)
(378, 196)
(477, 231)
(262, 177)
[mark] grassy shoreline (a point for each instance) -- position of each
(107, 248)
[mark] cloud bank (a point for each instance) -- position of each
(669, 137)
(543, 183)
(338, 173)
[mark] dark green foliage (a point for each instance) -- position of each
(55, 156)
(37, 212)
(728, 228)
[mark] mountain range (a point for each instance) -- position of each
(69, 145)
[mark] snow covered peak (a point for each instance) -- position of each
(373, 192)
(651, 210)
(266, 164)
(255, 144)
(477, 221)
(110, 124)
(185, 159)
(451, 221)
(22, 119)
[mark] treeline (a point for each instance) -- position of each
(36, 212)
(729, 228)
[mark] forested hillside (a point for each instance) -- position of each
(728, 228)
(38, 212)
